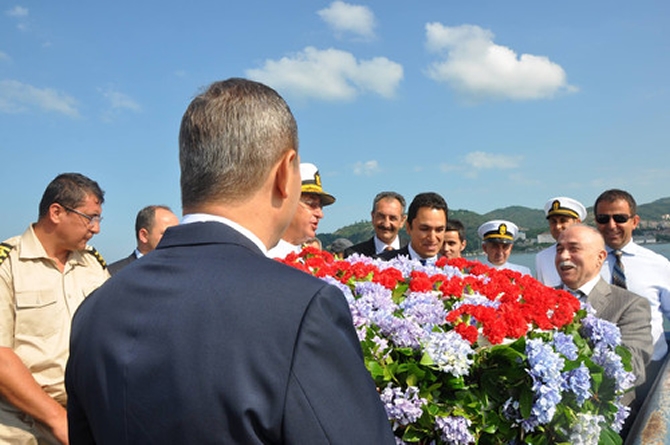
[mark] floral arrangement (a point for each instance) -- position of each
(463, 353)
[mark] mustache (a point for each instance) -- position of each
(566, 263)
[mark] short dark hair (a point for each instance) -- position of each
(230, 137)
(389, 195)
(428, 199)
(455, 225)
(612, 195)
(146, 218)
(69, 190)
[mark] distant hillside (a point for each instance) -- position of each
(531, 221)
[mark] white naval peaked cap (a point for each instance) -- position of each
(311, 183)
(498, 231)
(562, 205)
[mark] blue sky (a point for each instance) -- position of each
(490, 103)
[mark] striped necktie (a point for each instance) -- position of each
(618, 275)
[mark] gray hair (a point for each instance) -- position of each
(230, 137)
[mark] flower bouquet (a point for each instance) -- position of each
(462, 353)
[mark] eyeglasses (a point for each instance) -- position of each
(92, 220)
(618, 218)
(313, 204)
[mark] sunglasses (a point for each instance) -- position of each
(618, 218)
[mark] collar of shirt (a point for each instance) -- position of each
(138, 254)
(585, 288)
(415, 256)
(204, 217)
(381, 245)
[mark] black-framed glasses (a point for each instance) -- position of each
(92, 220)
(619, 218)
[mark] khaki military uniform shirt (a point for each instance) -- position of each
(37, 302)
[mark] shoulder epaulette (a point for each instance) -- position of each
(4, 251)
(98, 257)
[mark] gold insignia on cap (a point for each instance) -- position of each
(502, 229)
(317, 179)
(555, 205)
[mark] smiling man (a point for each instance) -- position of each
(426, 224)
(640, 270)
(44, 275)
(580, 254)
(388, 217)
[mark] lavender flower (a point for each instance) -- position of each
(374, 303)
(545, 370)
(564, 344)
(620, 417)
(578, 381)
(424, 308)
(601, 331)
(401, 407)
(611, 363)
(454, 430)
(449, 352)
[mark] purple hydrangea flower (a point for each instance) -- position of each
(578, 381)
(564, 344)
(454, 430)
(601, 331)
(425, 308)
(402, 407)
(545, 370)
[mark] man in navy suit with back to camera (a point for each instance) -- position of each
(206, 340)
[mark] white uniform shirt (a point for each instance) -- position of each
(282, 249)
(648, 275)
(545, 267)
(511, 266)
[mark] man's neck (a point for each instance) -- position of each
(46, 236)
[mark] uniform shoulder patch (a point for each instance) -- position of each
(98, 256)
(4, 251)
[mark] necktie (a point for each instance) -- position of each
(422, 261)
(388, 248)
(618, 275)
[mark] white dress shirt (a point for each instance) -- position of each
(380, 246)
(545, 267)
(648, 275)
(204, 217)
(415, 256)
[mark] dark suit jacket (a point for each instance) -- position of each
(632, 314)
(394, 253)
(208, 341)
(367, 248)
(118, 265)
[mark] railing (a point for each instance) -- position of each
(652, 424)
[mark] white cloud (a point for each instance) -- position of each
(18, 97)
(329, 74)
(4, 56)
(480, 160)
(346, 18)
(120, 101)
(17, 11)
(475, 66)
(367, 168)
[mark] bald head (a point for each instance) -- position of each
(580, 253)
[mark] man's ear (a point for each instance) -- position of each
(56, 212)
(287, 168)
(143, 235)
